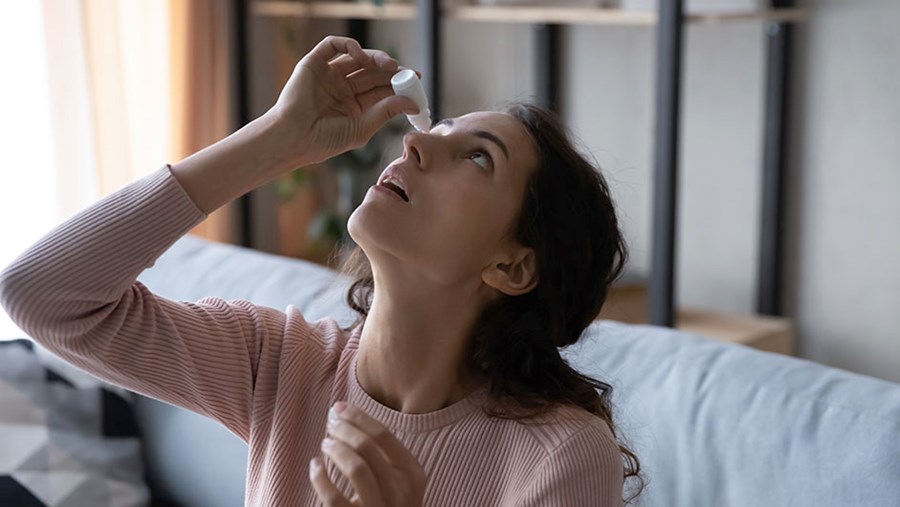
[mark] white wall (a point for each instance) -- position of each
(843, 272)
(845, 281)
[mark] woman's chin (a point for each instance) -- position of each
(370, 229)
(354, 229)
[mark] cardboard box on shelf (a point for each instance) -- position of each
(772, 334)
(627, 302)
(698, 6)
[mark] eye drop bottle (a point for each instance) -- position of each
(406, 83)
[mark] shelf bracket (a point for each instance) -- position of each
(546, 65)
(240, 56)
(772, 224)
(428, 35)
(665, 181)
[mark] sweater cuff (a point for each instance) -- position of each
(164, 196)
(169, 176)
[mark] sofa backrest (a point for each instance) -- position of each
(712, 423)
(720, 424)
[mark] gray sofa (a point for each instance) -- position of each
(713, 423)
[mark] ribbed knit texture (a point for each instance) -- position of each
(270, 376)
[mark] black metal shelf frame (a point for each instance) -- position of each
(671, 19)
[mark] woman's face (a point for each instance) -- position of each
(464, 183)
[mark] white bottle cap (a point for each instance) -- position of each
(406, 83)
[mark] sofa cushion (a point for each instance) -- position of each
(66, 439)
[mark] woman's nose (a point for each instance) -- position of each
(416, 146)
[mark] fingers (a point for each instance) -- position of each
(374, 96)
(360, 443)
(355, 468)
(346, 64)
(364, 80)
(392, 448)
(325, 489)
(382, 111)
(380, 468)
(333, 46)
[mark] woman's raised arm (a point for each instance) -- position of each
(75, 290)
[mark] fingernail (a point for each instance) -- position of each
(327, 443)
(333, 416)
(334, 413)
(314, 465)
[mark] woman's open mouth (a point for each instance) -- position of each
(389, 192)
(394, 186)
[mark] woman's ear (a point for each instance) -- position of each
(514, 276)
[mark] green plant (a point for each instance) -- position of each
(357, 170)
(300, 177)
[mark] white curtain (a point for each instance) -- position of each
(86, 99)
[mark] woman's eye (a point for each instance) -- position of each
(481, 158)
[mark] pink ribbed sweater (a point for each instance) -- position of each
(269, 375)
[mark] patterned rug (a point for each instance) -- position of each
(68, 440)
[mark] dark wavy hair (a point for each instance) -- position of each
(568, 219)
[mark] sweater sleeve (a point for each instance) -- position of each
(75, 292)
(585, 471)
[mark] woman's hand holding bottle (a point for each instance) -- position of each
(337, 97)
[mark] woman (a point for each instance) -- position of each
(489, 244)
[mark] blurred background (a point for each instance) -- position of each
(97, 93)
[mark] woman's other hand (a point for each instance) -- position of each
(338, 96)
(381, 470)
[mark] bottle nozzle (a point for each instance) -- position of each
(406, 83)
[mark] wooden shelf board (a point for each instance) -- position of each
(504, 14)
(336, 10)
(784, 15)
(559, 15)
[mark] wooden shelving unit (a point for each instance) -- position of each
(503, 14)
(548, 23)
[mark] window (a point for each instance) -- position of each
(27, 174)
